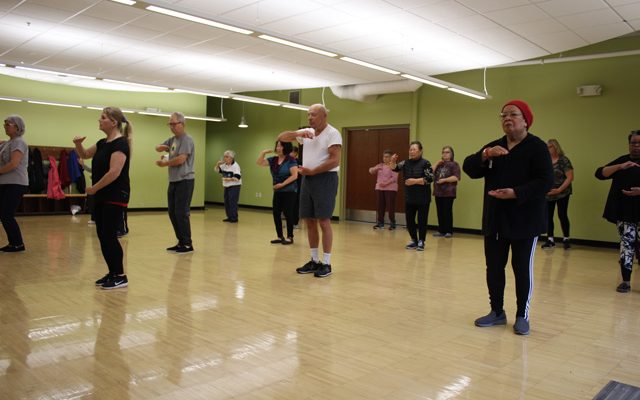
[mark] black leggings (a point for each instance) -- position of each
(444, 206)
(284, 202)
(563, 206)
(108, 220)
(10, 196)
(423, 214)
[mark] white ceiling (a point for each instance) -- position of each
(418, 37)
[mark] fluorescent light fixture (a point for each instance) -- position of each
(369, 65)
(427, 81)
(157, 114)
(199, 20)
(9, 99)
(3, 65)
(135, 84)
(127, 2)
(44, 71)
(257, 101)
(296, 107)
(222, 96)
(243, 123)
(297, 45)
(46, 103)
(94, 108)
(467, 93)
(212, 119)
(129, 111)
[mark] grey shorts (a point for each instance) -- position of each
(318, 195)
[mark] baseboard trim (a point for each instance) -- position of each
(252, 207)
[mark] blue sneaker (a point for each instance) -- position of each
(411, 245)
(521, 327)
(491, 319)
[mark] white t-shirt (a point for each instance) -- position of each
(316, 150)
(230, 171)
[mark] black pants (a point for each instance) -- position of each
(179, 197)
(231, 197)
(108, 220)
(563, 206)
(386, 202)
(284, 202)
(496, 252)
(10, 196)
(444, 206)
(423, 215)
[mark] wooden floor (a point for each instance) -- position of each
(234, 321)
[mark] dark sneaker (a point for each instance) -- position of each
(309, 267)
(491, 319)
(102, 280)
(184, 249)
(277, 241)
(174, 248)
(121, 234)
(13, 249)
(233, 221)
(287, 241)
(378, 226)
(566, 244)
(624, 287)
(411, 245)
(226, 220)
(392, 226)
(438, 234)
(420, 245)
(322, 271)
(549, 244)
(521, 327)
(116, 282)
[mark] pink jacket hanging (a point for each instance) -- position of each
(54, 191)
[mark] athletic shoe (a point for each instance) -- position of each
(378, 226)
(521, 327)
(13, 249)
(420, 245)
(121, 234)
(116, 282)
(233, 221)
(566, 244)
(310, 267)
(102, 280)
(287, 241)
(438, 234)
(549, 244)
(184, 249)
(322, 271)
(491, 319)
(226, 220)
(277, 241)
(91, 222)
(411, 245)
(174, 248)
(624, 287)
(392, 226)
(448, 235)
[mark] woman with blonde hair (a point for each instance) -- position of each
(559, 194)
(110, 187)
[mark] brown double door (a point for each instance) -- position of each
(365, 147)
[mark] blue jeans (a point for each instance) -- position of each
(231, 197)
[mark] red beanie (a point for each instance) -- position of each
(524, 108)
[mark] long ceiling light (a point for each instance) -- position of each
(47, 103)
(427, 81)
(45, 71)
(144, 85)
(369, 65)
(127, 2)
(212, 94)
(296, 107)
(256, 100)
(199, 20)
(469, 93)
(297, 45)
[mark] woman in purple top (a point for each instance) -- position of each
(446, 177)
(386, 190)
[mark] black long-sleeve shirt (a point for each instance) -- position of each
(529, 171)
(420, 168)
(621, 207)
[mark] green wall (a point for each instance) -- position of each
(592, 130)
(56, 126)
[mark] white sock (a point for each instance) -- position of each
(551, 239)
(327, 258)
(314, 255)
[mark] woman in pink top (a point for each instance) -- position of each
(386, 189)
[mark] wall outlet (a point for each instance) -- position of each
(258, 194)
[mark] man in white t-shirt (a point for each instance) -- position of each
(322, 146)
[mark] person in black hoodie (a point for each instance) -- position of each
(418, 176)
(518, 173)
(623, 204)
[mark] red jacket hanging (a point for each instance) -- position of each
(63, 170)
(54, 191)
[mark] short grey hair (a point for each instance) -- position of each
(320, 107)
(230, 153)
(179, 116)
(18, 122)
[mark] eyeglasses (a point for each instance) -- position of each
(632, 143)
(9, 123)
(174, 123)
(504, 115)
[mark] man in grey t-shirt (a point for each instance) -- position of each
(180, 161)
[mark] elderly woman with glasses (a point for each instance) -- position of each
(623, 204)
(14, 180)
(229, 169)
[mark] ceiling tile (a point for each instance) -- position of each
(557, 42)
(556, 8)
(517, 15)
(595, 34)
(443, 11)
(484, 6)
(268, 11)
(630, 11)
(545, 26)
(308, 22)
(589, 19)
